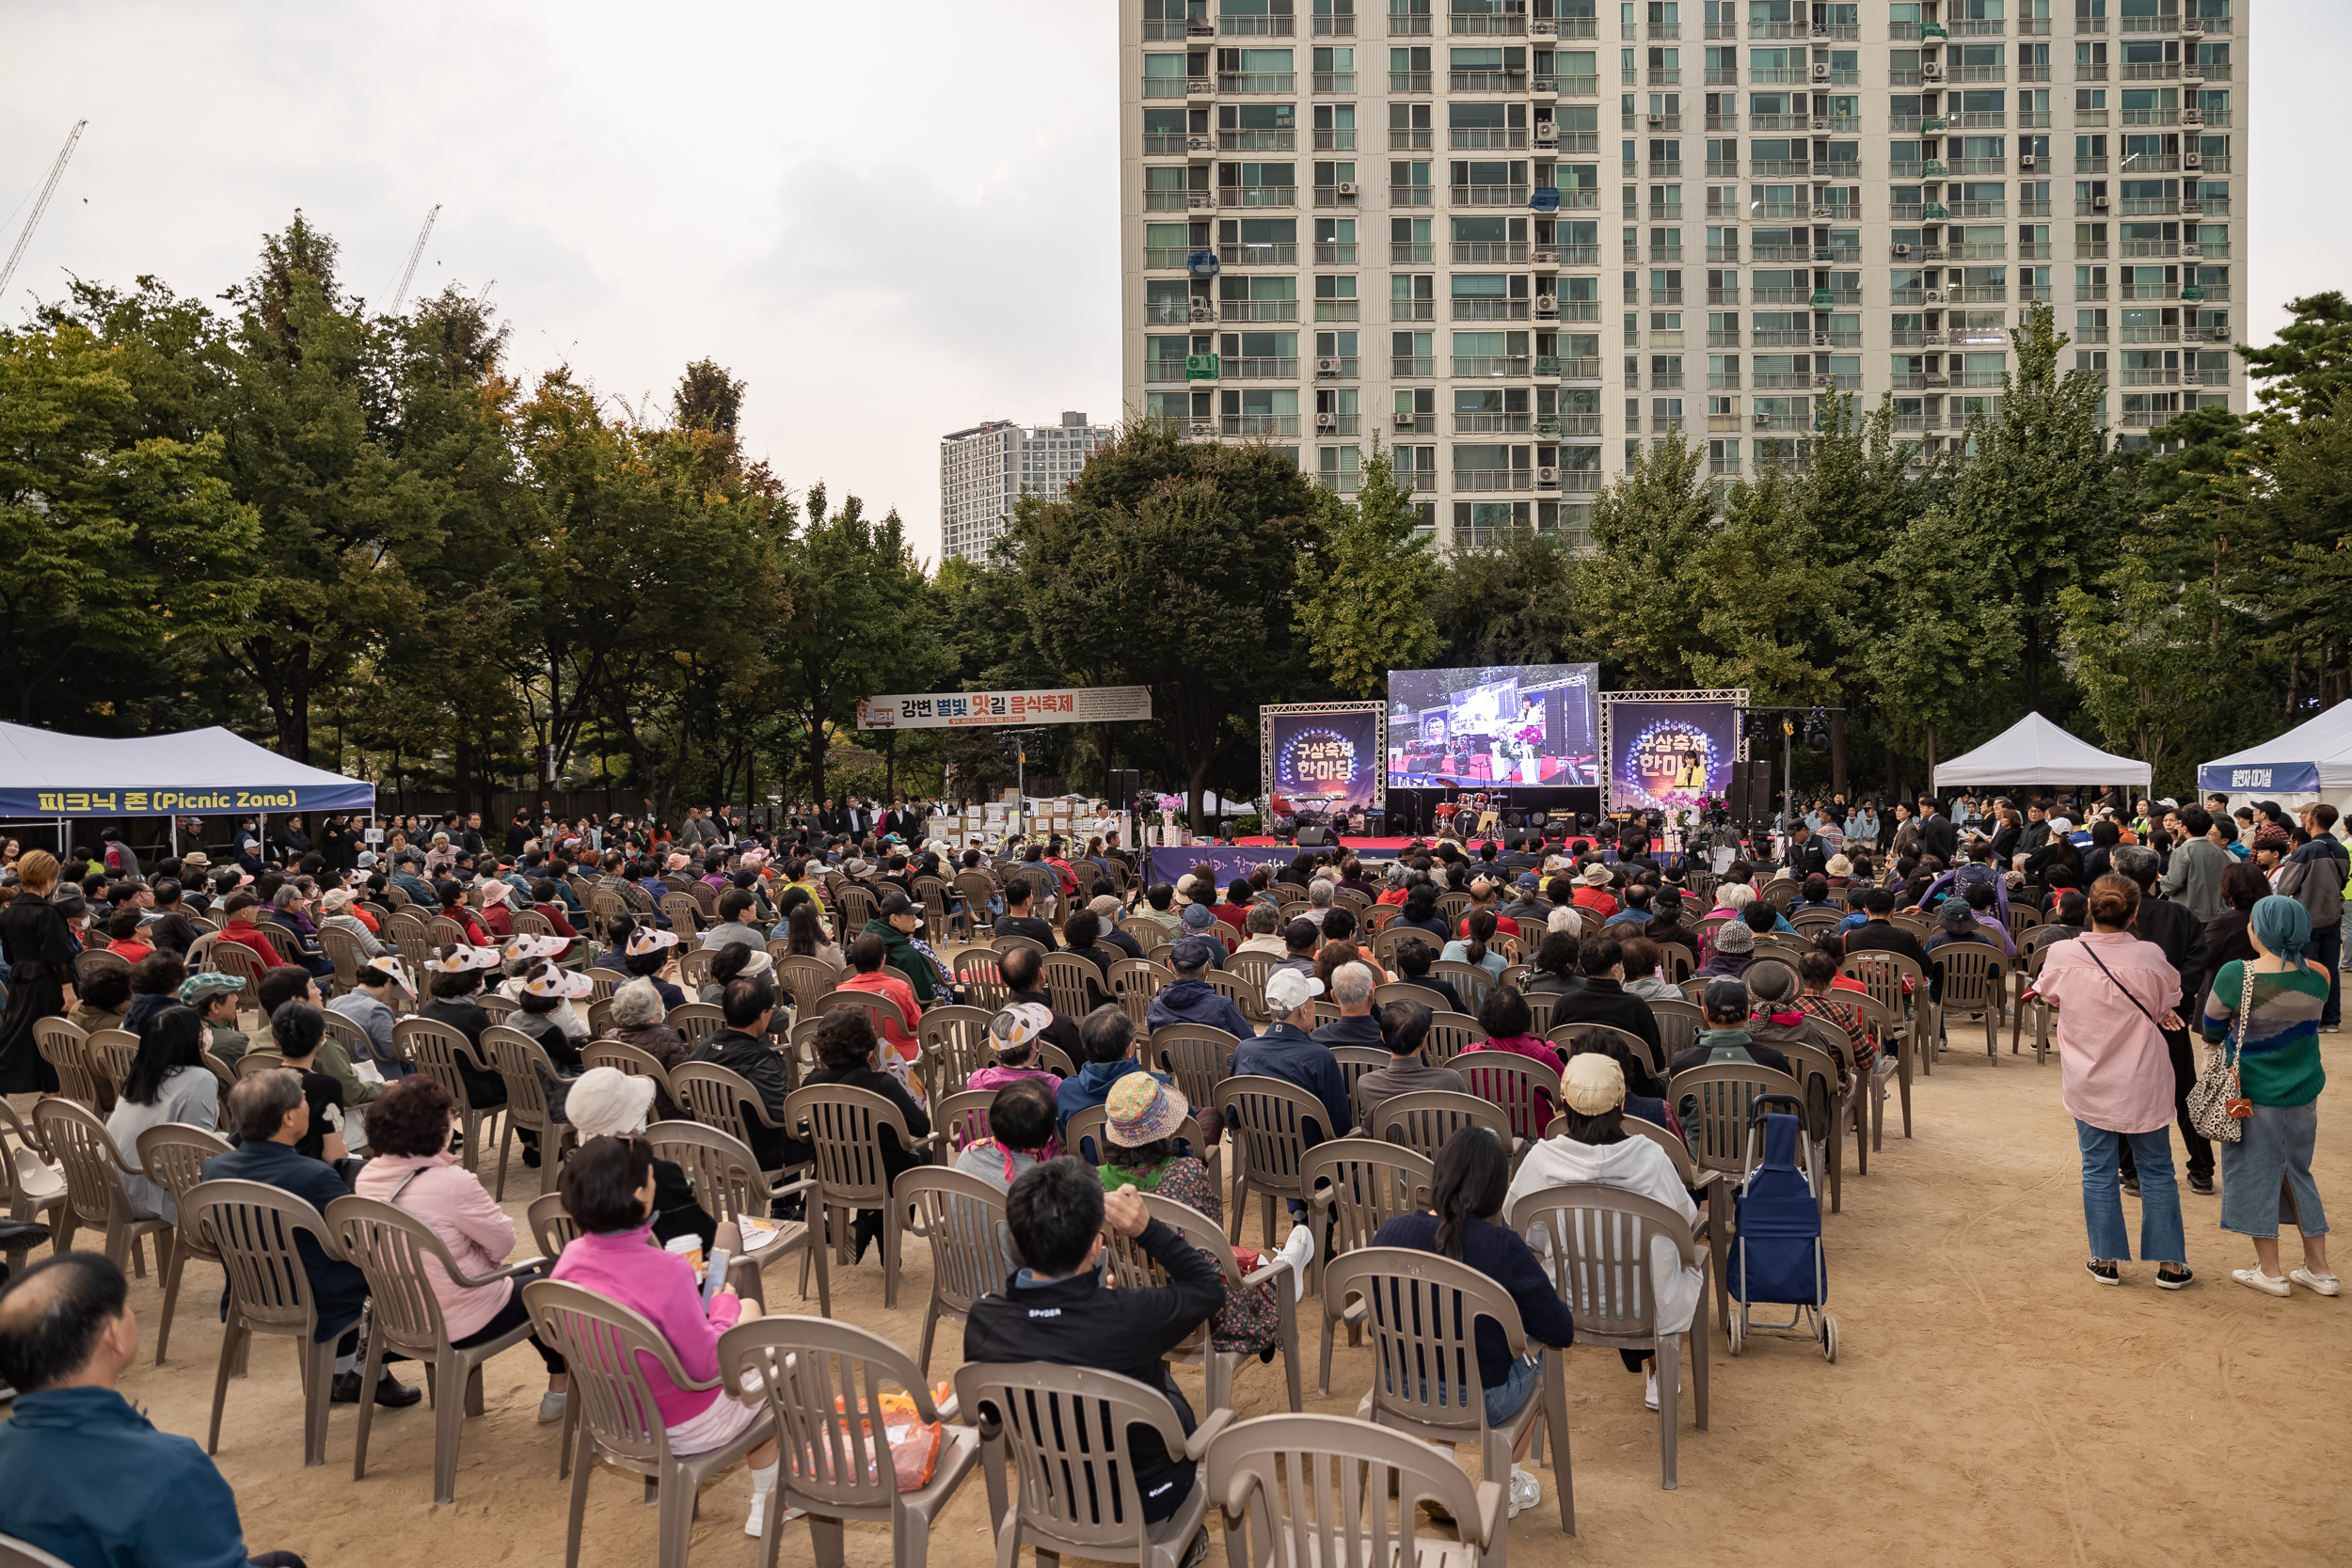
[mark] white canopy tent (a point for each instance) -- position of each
(207, 772)
(2033, 750)
(2311, 762)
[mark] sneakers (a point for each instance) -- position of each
(2200, 1183)
(1526, 1492)
(1198, 1553)
(389, 1393)
(2268, 1283)
(755, 1522)
(2106, 1274)
(1300, 1250)
(2169, 1281)
(551, 1408)
(2324, 1284)
(1649, 1391)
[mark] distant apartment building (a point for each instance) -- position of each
(984, 469)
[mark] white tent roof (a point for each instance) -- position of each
(195, 772)
(2033, 750)
(2313, 756)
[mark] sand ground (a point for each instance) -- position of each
(1989, 1404)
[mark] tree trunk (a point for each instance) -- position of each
(1838, 752)
(2295, 677)
(1930, 759)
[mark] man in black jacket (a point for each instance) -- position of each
(1057, 1309)
(1602, 998)
(1018, 922)
(1022, 970)
(742, 1047)
(2182, 935)
(1937, 835)
(1805, 857)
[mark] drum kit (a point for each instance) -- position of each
(1475, 812)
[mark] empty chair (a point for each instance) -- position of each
(963, 1219)
(95, 1196)
(1068, 1431)
(843, 1128)
(256, 1231)
(173, 1157)
(1892, 981)
(1316, 1489)
(729, 1184)
(824, 1383)
(1361, 1185)
(65, 1046)
(1270, 1123)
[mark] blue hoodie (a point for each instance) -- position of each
(1089, 1087)
(1197, 1001)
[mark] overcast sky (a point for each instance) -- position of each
(893, 221)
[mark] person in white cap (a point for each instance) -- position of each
(1287, 1050)
(369, 1005)
(605, 1102)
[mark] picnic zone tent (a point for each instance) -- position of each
(2033, 750)
(197, 772)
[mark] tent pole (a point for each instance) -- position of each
(175, 837)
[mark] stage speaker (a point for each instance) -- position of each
(1315, 838)
(1124, 781)
(1751, 797)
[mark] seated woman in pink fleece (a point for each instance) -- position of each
(608, 1188)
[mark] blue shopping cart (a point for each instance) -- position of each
(1776, 1251)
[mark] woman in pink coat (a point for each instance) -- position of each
(409, 1129)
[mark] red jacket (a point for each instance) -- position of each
(247, 935)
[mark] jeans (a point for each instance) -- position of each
(2326, 950)
(1506, 1401)
(2160, 1237)
(2194, 1144)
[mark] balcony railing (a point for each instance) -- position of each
(1776, 75)
(1335, 80)
(1489, 195)
(1269, 368)
(2149, 247)
(1977, 27)
(1412, 310)
(1343, 367)
(1256, 27)
(1410, 24)
(1571, 86)
(1332, 253)
(1486, 138)
(1486, 24)
(1490, 364)
(1474, 480)
(1257, 141)
(1275, 254)
(1164, 143)
(1482, 309)
(1485, 81)
(1172, 86)
(1178, 201)
(1162, 369)
(1481, 253)
(1331, 196)
(2148, 71)
(1335, 27)
(1977, 293)
(2167, 377)
(1257, 196)
(1166, 312)
(1650, 122)
(1410, 195)
(1258, 424)
(1413, 367)
(1257, 309)
(1579, 255)
(1177, 28)
(1492, 424)
(1257, 81)
(1336, 310)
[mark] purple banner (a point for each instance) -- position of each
(1324, 767)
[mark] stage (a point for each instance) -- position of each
(1415, 810)
(1241, 856)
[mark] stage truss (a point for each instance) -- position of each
(1309, 710)
(1735, 696)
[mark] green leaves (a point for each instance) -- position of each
(1363, 597)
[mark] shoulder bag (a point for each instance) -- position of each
(2217, 1106)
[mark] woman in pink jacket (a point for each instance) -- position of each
(409, 1129)
(608, 1189)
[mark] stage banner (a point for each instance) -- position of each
(941, 710)
(1320, 763)
(1666, 753)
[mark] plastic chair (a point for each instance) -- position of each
(1066, 1432)
(1471, 982)
(343, 948)
(729, 1184)
(1425, 1120)
(882, 1011)
(1355, 1061)
(1267, 1121)
(24, 1554)
(1199, 1056)
(1316, 1489)
(2040, 1009)
(1510, 1083)
(434, 1049)
(978, 977)
(718, 1096)
(527, 1069)
(253, 1229)
(65, 1046)
(1680, 1024)
(1354, 1187)
(843, 1128)
(31, 1187)
(955, 1045)
(972, 1253)
(1133, 1268)
(823, 1382)
(1891, 981)
(1238, 990)
(1828, 1111)
(601, 1343)
(696, 1021)
(392, 1249)
(94, 1193)
(633, 1060)
(1595, 1242)
(1133, 983)
(173, 1155)
(111, 1053)
(1421, 1312)
(1969, 991)
(1450, 1035)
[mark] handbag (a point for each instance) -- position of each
(2217, 1106)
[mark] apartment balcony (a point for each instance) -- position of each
(1168, 312)
(1475, 481)
(1977, 166)
(1979, 209)
(1335, 27)
(1480, 308)
(1780, 421)
(1666, 381)
(1569, 367)
(1566, 27)
(2033, 250)
(1257, 311)
(1411, 196)
(1650, 122)
(1413, 367)
(1491, 365)
(1573, 142)
(1989, 73)
(1722, 168)
(1897, 77)
(1725, 255)
(1486, 139)
(1267, 368)
(1780, 75)
(1257, 196)
(1977, 293)
(1170, 144)
(1773, 338)
(1412, 310)
(1493, 425)
(1410, 24)
(1336, 196)
(1977, 27)
(1983, 120)
(1336, 310)
(1665, 253)
(2090, 291)
(2218, 378)
(1176, 87)
(2217, 71)
(1334, 82)
(1258, 424)
(1339, 366)
(1836, 256)
(2149, 333)
(1257, 141)
(2213, 250)
(1722, 296)
(2088, 24)
(1162, 369)
(2148, 71)
(1162, 256)
(1660, 212)
(1256, 27)
(2148, 247)
(2167, 378)
(1567, 424)
(1579, 255)
(1489, 195)
(1665, 297)
(1984, 250)
(1327, 253)
(1485, 81)
(1774, 253)
(1489, 253)
(2089, 335)
(2148, 117)
(1178, 201)
(1572, 87)
(1173, 28)
(1422, 479)
(1721, 122)
(1251, 83)
(1983, 378)
(1283, 254)
(1486, 24)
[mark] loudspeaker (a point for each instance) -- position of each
(1751, 797)
(1315, 838)
(1124, 781)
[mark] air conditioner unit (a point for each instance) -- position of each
(2221, 334)
(1820, 340)
(1200, 29)
(1407, 421)
(1820, 72)
(1203, 429)
(2025, 160)
(1902, 251)
(1820, 381)
(1657, 122)
(1326, 422)
(1543, 27)
(1928, 72)
(1200, 144)
(1203, 310)
(1327, 367)
(1763, 421)
(2192, 251)
(1199, 86)
(1347, 188)
(1543, 257)
(2188, 160)
(1935, 297)
(1820, 122)
(1548, 306)
(1824, 212)
(1931, 379)
(2192, 116)
(2098, 203)
(1202, 201)
(1548, 476)
(1547, 131)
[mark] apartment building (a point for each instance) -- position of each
(985, 469)
(1515, 239)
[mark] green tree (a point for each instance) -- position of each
(1948, 634)
(1511, 601)
(1363, 595)
(2309, 365)
(2146, 654)
(1649, 525)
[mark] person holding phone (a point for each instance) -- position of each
(413, 1130)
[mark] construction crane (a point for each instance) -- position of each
(416, 252)
(57, 173)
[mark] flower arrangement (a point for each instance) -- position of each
(1531, 734)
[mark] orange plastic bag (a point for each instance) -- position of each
(914, 1443)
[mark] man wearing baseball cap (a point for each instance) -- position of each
(1288, 1052)
(1726, 1038)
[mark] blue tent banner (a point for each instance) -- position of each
(2282, 778)
(194, 773)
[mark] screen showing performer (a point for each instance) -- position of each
(1494, 726)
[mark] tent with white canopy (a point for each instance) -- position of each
(2311, 762)
(194, 773)
(2033, 750)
